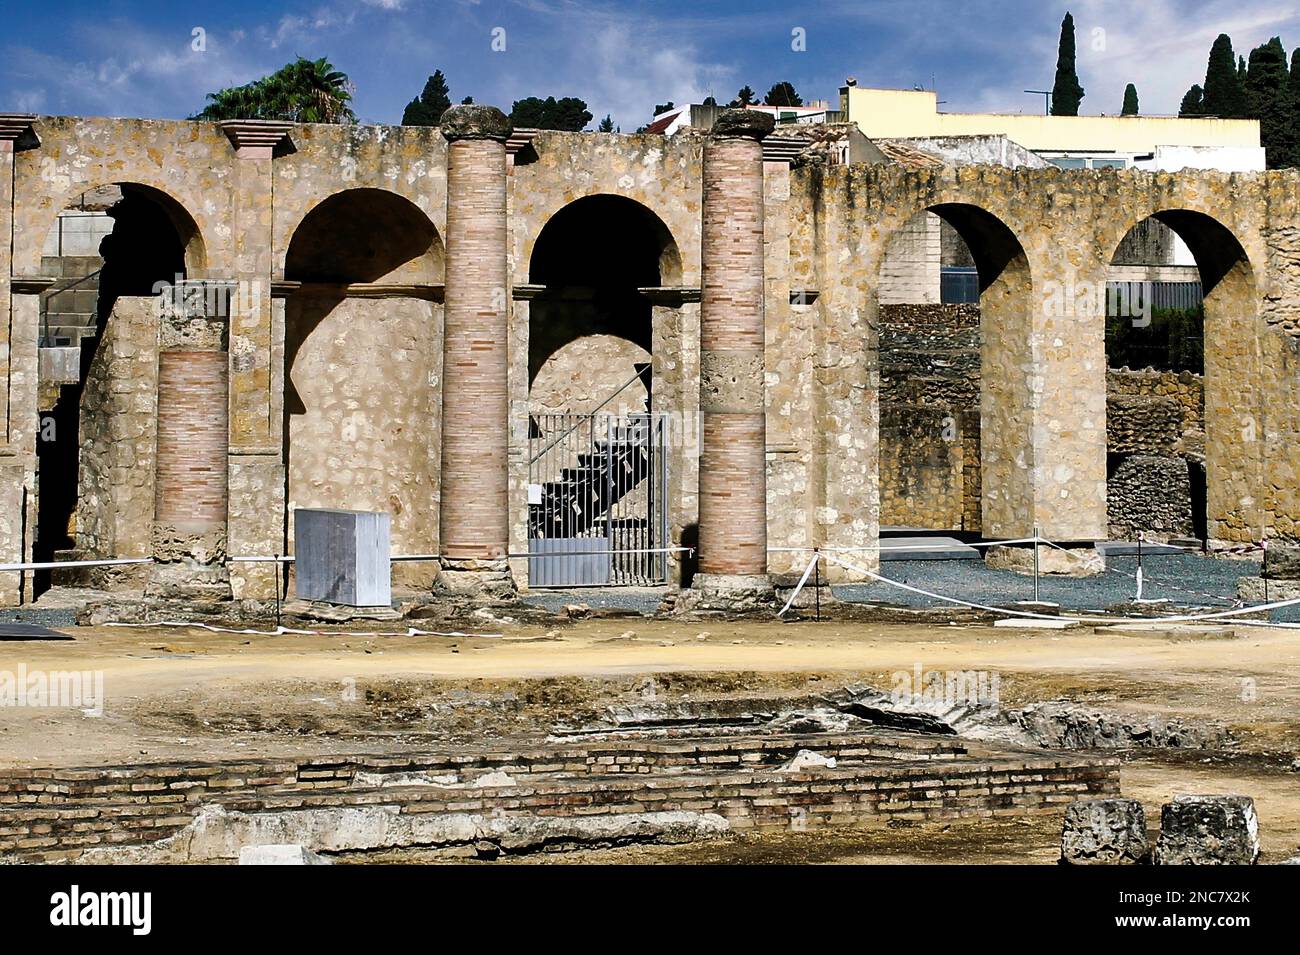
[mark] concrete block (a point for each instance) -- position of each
(343, 557)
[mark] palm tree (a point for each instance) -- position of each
(304, 91)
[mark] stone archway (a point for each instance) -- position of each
(603, 312)
(108, 255)
(1226, 435)
(363, 358)
(956, 422)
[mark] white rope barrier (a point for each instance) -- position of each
(280, 631)
(802, 580)
(1007, 611)
(56, 564)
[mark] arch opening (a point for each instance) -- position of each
(593, 257)
(361, 366)
(948, 274)
(113, 241)
(597, 471)
(362, 236)
(1180, 394)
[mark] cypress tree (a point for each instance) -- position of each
(427, 108)
(1193, 102)
(1066, 91)
(1268, 83)
(1222, 87)
(1130, 101)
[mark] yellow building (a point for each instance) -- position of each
(908, 114)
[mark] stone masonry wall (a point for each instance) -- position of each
(363, 420)
(118, 433)
(929, 416)
(1043, 414)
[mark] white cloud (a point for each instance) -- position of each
(1162, 47)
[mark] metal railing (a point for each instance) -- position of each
(590, 414)
(52, 293)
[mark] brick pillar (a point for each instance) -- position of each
(191, 496)
(474, 520)
(733, 466)
(17, 384)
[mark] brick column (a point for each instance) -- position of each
(17, 385)
(255, 459)
(474, 520)
(191, 495)
(733, 466)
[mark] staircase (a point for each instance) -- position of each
(69, 312)
(596, 487)
(583, 496)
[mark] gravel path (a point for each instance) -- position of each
(1187, 580)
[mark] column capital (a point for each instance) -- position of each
(255, 138)
(742, 124)
(472, 121)
(12, 127)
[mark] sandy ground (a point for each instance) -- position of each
(179, 693)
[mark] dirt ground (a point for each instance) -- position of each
(182, 693)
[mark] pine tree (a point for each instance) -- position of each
(427, 108)
(1130, 101)
(746, 97)
(782, 94)
(1067, 93)
(1222, 90)
(1193, 102)
(606, 124)
(567, 113)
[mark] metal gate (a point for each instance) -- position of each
(597, 500)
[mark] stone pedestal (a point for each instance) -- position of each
(1052, 561)
(1104, 832)
(1208, 830)
(190, 489)
(474, 517)
(733, 466)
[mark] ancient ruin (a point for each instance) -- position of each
(377, 318)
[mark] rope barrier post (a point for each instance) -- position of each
(1141, 534)
(1263, 570)
(817, 582)
(1036, 540)
(279, 566)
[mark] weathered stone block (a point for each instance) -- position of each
(1208, 830)
(1104, 832)
(1077, 562)
(281, 855)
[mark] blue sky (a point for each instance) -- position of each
(138, 57)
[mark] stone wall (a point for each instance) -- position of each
(1038, 235)
(1149, 494)
(929, 416)
(1156, 444)
(362, 399)
(51, 814)
(118, 434)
